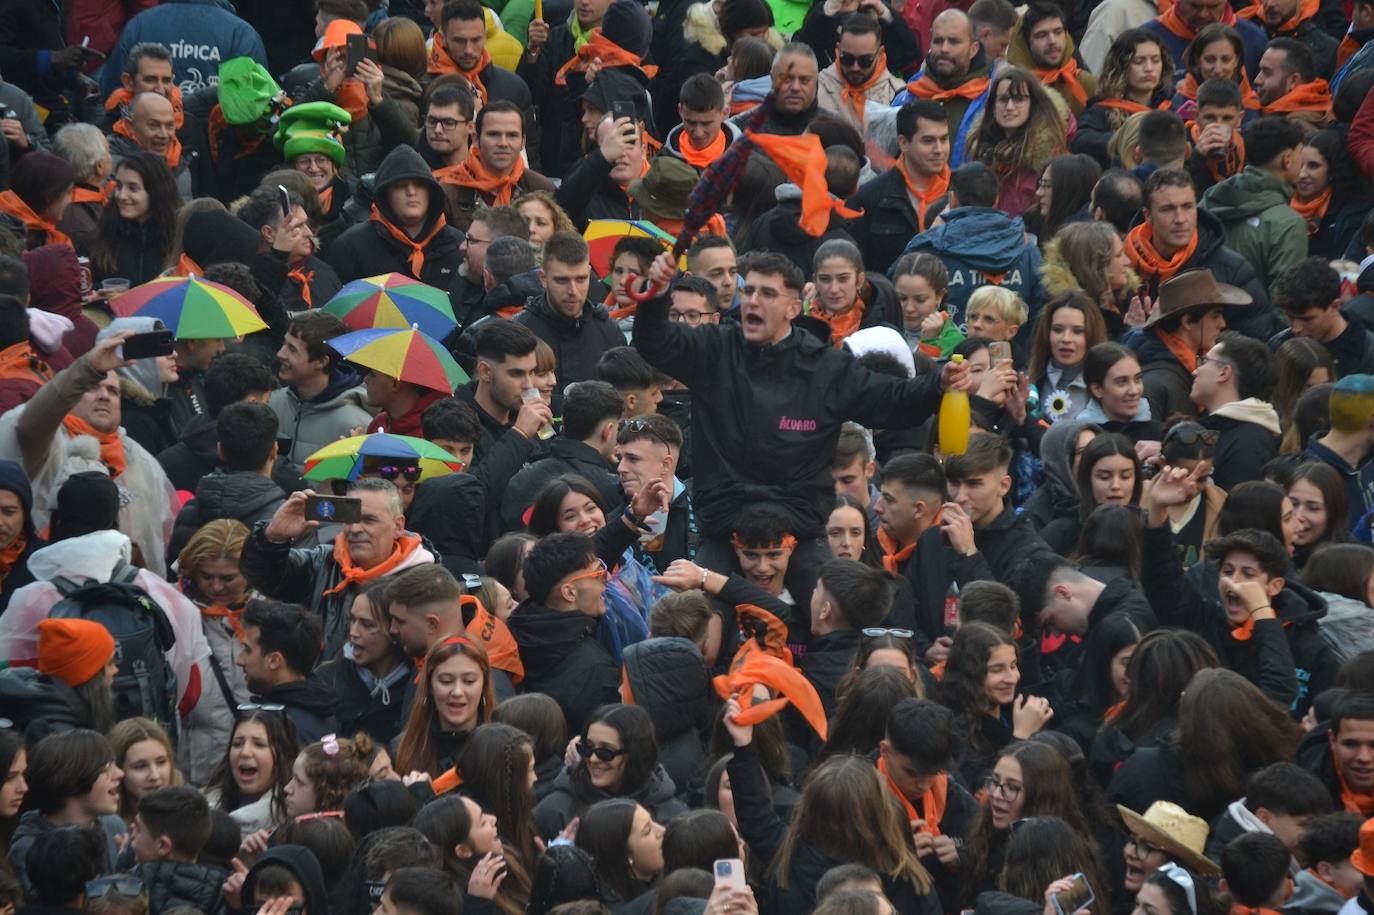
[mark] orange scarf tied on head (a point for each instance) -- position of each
(700, 158)
(1179, 347)
(893, 553)
(855, 96)
(121, 97)
(1306, 10)
(1314, 210)
(173, 156)
(1248, 99)
(10, 555)
(1175, 23)
(932, 802)
(1068, 75)
(219, 612)
(936, 187)
(1352, 801)
(927, 88)
(416, 245)
(802, 160)
(1232, 159)
(473, 172)
(1140, 248)
(752, 667)
(111, 445)
(610, 54)
(14, 205)
(1314, 96)
(406, 544)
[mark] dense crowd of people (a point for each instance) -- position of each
(974, 513)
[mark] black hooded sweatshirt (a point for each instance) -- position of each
(371, 248)
(303, 864)
(309, 704)
(563, 659)
(13, 479)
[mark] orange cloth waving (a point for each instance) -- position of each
(406, 544)
(610, 53)
(754, 667)
(802, 160)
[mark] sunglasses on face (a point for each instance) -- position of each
(599, 572)
(862, 61)
(391, 472)
(586, 749)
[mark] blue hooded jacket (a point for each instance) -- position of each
(13, 479)
(976, 242)
(201, 34)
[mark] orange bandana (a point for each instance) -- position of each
(474, 75)
(841, 325)
(1175, 23)
(1130, 107)
(1140, 248)
(802, 160)
(416, 246)
(1306, 10)
(406, 544)
(121, 97)
(101, 195)
(1314, 210)
(932, 802)
(10, 555)
(1314, 96)
(893, 554)
(111, 445)
(927, 88)
(219, 612)
(857, 95)
(473, 172)
(1248, 99)
(13, 204)
(439, 61)
(1245, 631)
(700, 158)
(327, 199)
(936, 187)
(752, 667)
(1353, 802)
(173, 156)
(303, 279)
(1346, 49)
(1179, 347)
(1067, 74)
(610, 53)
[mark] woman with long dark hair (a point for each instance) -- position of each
(1321, 508)
(134, 235)
(1343, 575)
(1332, 196)
(1102, 682)
(455, 696)
(467, 836)
(860, 718)
(1020, 131)
(14, 763)
(539, 716)
(250, 784)
(1109, 473)
(1045, 849)
(1117, 391)
(497, 768)
(1218, 52)
(1137, 75)
(1111, 543)
(626, 845)
(1300, 363)
(1063, 194)
(1069, 325)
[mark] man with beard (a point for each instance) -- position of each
(493, 172)
(794, 86)
(278, 650)
(1299, 21)
(859, 73)
(955, 75)
(1287, 84)
(1043, 42)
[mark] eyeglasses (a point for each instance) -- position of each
(1144, 848)
(862, 61)
(688, 316)
(874, 632)
(444, 124)
(473, 242)
(586, 749)
(1013, 101)
(1204, 359)
(248, 708)
(599, 572)
(1010, 791)
(411, 472)
(124, 886)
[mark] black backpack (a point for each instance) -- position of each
(145, 684)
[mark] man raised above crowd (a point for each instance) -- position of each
(955, 75)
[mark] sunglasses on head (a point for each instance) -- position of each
(874, 632)
(586, 749)
(249, 708)
(863, 61)
(124, 886)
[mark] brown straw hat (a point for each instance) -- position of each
(1193, 290)
(1174, 830)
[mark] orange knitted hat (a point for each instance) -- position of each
(73, 650)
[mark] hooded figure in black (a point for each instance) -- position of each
(667, 677)
(427, 250)
(302, 867)
(18, 539)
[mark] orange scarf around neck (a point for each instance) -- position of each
(1130, 107)
(855, 96)
(1068, 75)
(406, 544)
(439, 62)
(700, 158)
(10, 555)
(473, 172)
(101, 195)
(936, 187)
(1232, 159)
(893, 554)
(351, 96)
(1314, 96)
(1306, 10)
(927, 88)
(610, 54)
(932, 802)
(1179, 347)
(1346, 49)
(173, 156)
(220, 612)
(121, 97)
(474, 75)
(1175, 23)
(1248, 99)
(841, 325)
(1314, 210)
(111, 445)
(13, 204)
(1149, 263)
(303, 279)
(416, 245)
(1352, 801)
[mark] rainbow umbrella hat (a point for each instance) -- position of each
(393, 300)
(602, 234)
(406, 355)
(193, 308)
(349, 458)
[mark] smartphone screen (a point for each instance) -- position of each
(1078, 896)
(999, 350)
(146, 346)
(333, 509)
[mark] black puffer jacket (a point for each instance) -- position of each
(29, 698)
(573, 793)
(779, 230)
(564, 456)
(179, 883)
(889, 222)
(1167, 383)
(563, 659)
(244, 496)
(668, 679)
(577, 342)
(828, 658)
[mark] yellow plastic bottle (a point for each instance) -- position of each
(954, 420)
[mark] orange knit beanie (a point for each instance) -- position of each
(73, 650)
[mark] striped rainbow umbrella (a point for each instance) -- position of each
(192, 307)
(349, 458)
(404, 354)
(393, 300)
(601, 236)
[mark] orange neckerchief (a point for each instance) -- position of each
(473, 172)
(186, 267)
(122, 97)
(802, 160)
(1175, 23)
(857, 95)
(111, 445)
(100, 195)
(1130, 107)
(936, 187)
(13, 204)
(449, 781)
(173, 157)
(700, 158)
(474, 75)
(1238, 909)
(841, 325)
(1245, 631)
(1314, 210)
(932, 802)
(752, 667)
(327, 199)
(1248, 99)
(10, 555)
(1140, 248)
(219, 612)
(439, 61)
(1306, 10)
(351, 96)
(1232, 160)
(927, 88)
(1346, 49)
(417, 247)
(1113, 710)
(1313, 96)
(1352, 801)
(1068, 74)
(893, 555)
(486, 627)
(406, 544)
(611, 54)
(1179, 347)
(303, 279)
(20, 361)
